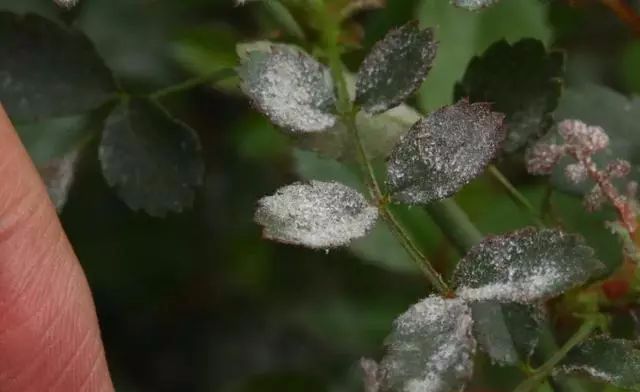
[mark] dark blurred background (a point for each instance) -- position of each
(198, 301)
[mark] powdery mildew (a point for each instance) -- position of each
(430, 348)
(443, 152)
(524, 266)
(290, 87)
(317, 214)
(395, 68)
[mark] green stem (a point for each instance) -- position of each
(454, 224)
(188, 84)
(348, 115)
(416, 254)
(518, 198)
(541, 373)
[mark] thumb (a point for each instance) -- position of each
(49, 336)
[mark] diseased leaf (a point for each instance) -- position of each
(473, 5)
(508, 332)
(66, 3)
(290, 87)
(443, 152)
(616, 114)
(379, 247)
(395, 68)
(47, 70)
(58, 176)
(522, 80)
(55, 145)
(430, 348)
(152, 160)
(319, 215)
(613, 361)
(524, 266)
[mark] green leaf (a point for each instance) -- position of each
(319, 215)
(525, 266)
(444, 152)
(47, 70)
(522, 80)
(430, 348)
(395, 68)
(613, 361)
(509, 332)
(616, 114)
(153, 160)
(379, 134)
(290, 87)
(463, 34)
(474, 5)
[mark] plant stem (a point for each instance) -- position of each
(347, 113)
(454, 224)
(518, 198)
(541, 373)
(193, 82)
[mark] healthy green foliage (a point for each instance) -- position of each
(395, 68)
(443, 152)
(47, 70)
(525, 266)
(153, 160)
(522, 80)
(613, 361)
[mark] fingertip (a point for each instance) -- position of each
(49, 334)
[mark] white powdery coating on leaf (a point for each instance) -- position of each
(473, 5)
(290, 87)
(66, 3)
(430, 349)
(587, 370)
(443, 152)
(524, 266)
(526, 287)
(318, 214)
(58, 176)
(614, 361)
(395, 68)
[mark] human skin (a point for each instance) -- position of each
(49, 335)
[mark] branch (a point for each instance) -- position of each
(188, 84)
(544, 371)
(347, 112)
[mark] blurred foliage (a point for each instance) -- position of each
(198, 301)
